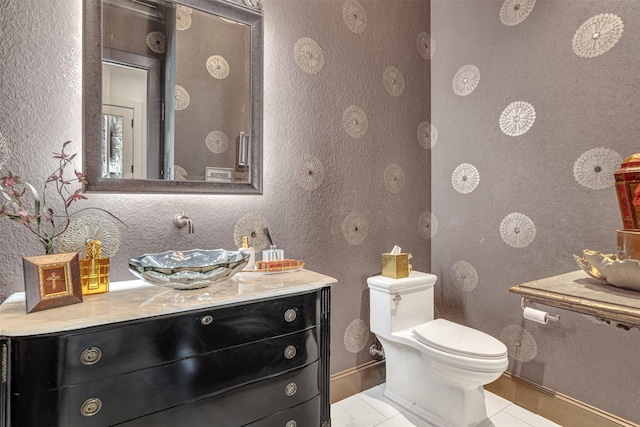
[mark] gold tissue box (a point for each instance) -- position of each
(395, 266)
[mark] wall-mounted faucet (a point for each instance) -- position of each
(180, 220)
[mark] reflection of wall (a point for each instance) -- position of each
(216, 104)
(581, 104)
(127, 30)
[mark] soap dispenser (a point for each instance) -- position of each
(251, 265)
(94, 270)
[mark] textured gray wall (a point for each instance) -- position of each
(313, 219)
(581, 104)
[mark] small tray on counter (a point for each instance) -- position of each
(270, 267)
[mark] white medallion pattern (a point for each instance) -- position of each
(354, 121)
(179, 173)
(251, 225)
(218, 67)
(4, 151)
(71, 69)
(355, 228)
(517, 230)
(427, 134)
(182, 98)
(308, 55)
(427, 225)
(183, 17)
(354, 16)
(394, 178)
(517, 118)
(217, 141)
(521, 345)
(309, 172)
(393, 81)
(356, 336)
(90, 227)
(465, 178)
(464, 276)
(594, 169)
(426, 45)
(466, 80)
(156, 41)
(514, 12)
(597, 35)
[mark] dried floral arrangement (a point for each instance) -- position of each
(47, 220)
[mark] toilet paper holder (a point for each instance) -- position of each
(547, 316)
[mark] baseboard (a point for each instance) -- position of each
(353, 381)
(557, 407)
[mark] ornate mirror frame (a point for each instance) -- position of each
(248, 13)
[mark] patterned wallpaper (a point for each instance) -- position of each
(495, 164)
(347, 140)
(213, 106)
(535, 104)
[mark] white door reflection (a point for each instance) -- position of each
(124, 122)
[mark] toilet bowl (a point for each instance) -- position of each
(435, 368)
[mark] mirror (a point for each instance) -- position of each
(172, 96)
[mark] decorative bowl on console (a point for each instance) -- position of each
(193, 269)
(623, 273)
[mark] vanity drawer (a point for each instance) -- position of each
(304, 415)
(54, 361)
(241, 405)
(113, 400)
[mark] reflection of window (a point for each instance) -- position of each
(112, 146)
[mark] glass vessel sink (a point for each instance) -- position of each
(194, 269)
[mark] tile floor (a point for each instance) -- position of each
(370, 408)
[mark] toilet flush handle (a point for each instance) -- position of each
(397, 297)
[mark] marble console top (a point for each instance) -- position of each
(136, 299)
(578, 292)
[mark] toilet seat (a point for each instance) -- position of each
(453, 338)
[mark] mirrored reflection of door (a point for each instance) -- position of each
(117, 142)
(125, 89)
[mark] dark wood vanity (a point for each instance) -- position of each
(242, 354)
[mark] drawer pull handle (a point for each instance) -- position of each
(291, 389)
(206, 320)
(91, 356)
(290, 352)
(291, 423)
(91, 407)
(290, 315)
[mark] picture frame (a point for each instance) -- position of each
(52, 281)
(212, 174)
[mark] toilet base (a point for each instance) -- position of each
(412, 384)
(427, 416)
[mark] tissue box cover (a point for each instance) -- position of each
(395, 266)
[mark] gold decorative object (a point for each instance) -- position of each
(588, 268)
(395, 266)
(94, 270)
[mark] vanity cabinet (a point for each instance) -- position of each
(260, 360)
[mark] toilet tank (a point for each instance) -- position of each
(398, 304)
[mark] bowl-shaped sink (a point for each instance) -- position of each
(192, 269)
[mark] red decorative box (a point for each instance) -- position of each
(628, 189)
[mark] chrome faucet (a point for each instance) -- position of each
(180, 220)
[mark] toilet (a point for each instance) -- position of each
(435, 368)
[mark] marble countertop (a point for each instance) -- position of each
(135, 299)
(578, 292)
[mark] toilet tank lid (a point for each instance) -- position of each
(415, 280)
(453, 338)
